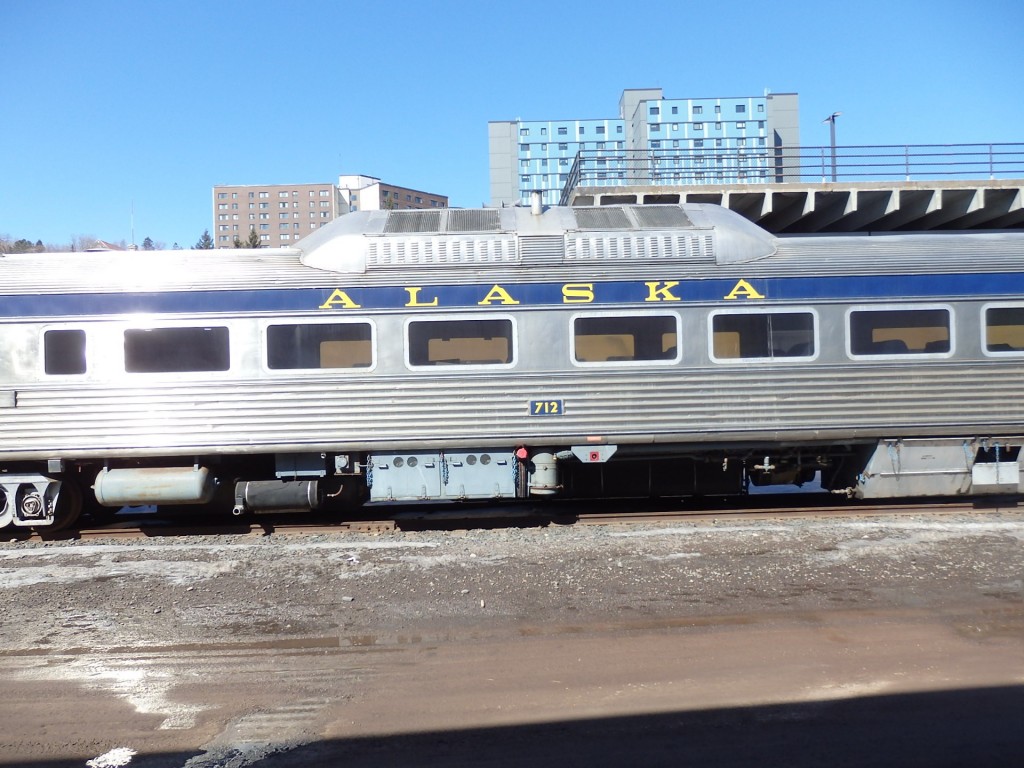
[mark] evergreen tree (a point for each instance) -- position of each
(147, 245)
(205, 242)
(253, 241)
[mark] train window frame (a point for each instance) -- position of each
(997, 353)
(910, 355)
(132, 328)
(674, 360)
(266, 324)
(439, 366)
(44, 356)
(763, 310)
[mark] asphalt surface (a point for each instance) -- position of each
(799, 641)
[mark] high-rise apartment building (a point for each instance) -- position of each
(281, 214)
(368, 193)
(709, 140)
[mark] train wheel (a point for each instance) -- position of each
(69, 506)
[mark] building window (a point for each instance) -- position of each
(524, 131)
(698, 110)
(698, 142)
(760, 107)
(655, 145)
(618, 129)
(543, 131)
(460, 342)
(563, 131)
(741, 126)
(740, 108)
(222, 195)
(563, 147)
(675, 110)
(600, 129)
(698, 126)
(176, 350)
(582, 130)
(655, 111)
(524, 147)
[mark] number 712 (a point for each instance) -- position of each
(546, 408)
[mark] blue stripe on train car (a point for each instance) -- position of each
(652, 293)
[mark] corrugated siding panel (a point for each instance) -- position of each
(692, 406)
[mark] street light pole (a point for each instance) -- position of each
(831, 120)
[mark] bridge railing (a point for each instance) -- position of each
(778, 165)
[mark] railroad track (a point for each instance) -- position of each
(134, 525)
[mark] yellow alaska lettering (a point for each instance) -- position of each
(499, 294)
(414, 300)
(744, 289)
(577, 293)
(339, 299)
(661, 292)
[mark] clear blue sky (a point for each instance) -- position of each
(111, 103)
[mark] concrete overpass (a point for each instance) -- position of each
(862, 206)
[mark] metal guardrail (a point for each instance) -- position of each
(782, 165)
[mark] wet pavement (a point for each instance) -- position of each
(878, 641)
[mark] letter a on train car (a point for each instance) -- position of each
(744, 289)
(339, 299)
(499, 294)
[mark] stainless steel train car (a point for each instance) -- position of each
(512, 353)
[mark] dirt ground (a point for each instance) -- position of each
(799, 642)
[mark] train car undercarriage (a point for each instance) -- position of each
(53, 496)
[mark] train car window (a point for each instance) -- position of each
(308, 345)
(619, 338)
(899, 332)
(460, 342)
(1004, 329)
(64, 352)
(176, 350)
(759, 335)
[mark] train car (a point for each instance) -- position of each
(455, 355)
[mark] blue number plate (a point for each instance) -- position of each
(546, 408)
